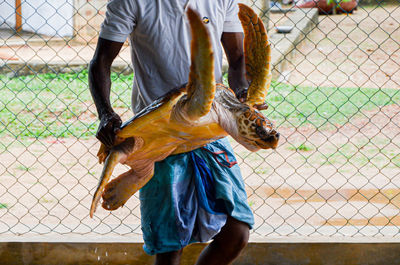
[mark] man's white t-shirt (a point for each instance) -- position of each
(159, 35)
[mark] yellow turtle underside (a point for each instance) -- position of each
(162, 134)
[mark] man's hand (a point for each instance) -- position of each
(233, 46)
(109, 127)
(241, 94)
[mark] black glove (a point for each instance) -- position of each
(108, 128)
(241, 94)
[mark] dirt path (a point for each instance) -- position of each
(359, 50)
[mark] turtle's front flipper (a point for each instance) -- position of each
(257, 52)
(201, 85)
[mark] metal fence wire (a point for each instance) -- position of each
(335, 98)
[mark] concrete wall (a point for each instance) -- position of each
(48, 17)
(44, 253)
(7, 14)
(79, 18)
(89, 14)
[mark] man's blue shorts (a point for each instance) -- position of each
(190, 196)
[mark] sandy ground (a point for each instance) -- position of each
(359, 50)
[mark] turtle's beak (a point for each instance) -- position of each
(268, 139)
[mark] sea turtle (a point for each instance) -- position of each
(191, 116)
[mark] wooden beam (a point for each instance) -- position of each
(18, 16)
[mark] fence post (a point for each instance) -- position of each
(18, 16)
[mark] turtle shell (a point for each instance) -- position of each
(152, 111)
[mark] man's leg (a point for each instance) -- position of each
(227, 244)
(169, 258)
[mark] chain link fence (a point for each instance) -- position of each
(335, 98)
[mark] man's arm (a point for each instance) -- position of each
(233, 46)
(100, 85)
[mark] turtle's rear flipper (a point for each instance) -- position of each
(120, 189)
(257, 51)
(201, 85)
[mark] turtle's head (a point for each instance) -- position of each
(244, 123)
(254, 130)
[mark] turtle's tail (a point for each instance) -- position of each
(111, 161)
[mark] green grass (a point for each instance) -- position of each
(3, 206)
(61, 105)
(23, 168)
(54, 105)
(301, 147)
(45, 200)
(324, 106)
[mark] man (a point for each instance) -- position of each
(172, 212)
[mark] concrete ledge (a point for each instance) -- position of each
(284, 46)
(255, 253)
(35, 67)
